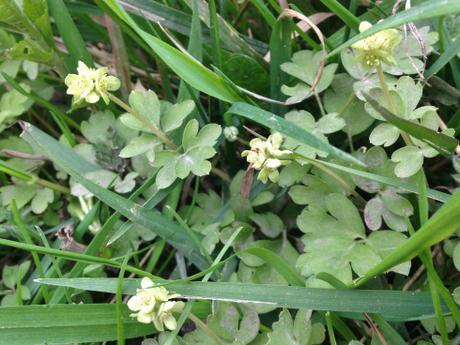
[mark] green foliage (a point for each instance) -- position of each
(304, 224)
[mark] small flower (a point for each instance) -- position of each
(152, 304)
(231, 133)
(266, 156)
(91, 84)
(378, 47)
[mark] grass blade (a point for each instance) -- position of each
(450, 53)
(280, 52)
(189, 69)
(393, 305)
(72, 323)
(70, 34)
(347, 17)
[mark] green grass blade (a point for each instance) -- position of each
(347, 17)
(280, 52)
(75, 166)
(289, 129)
(450, 53)
(64, 324)
(438, 141)
(393, 305)
(70, 34)
(426, 10)
(119, 303)
(187, 68)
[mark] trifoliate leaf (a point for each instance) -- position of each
(408, 159)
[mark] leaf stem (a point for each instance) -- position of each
(158, 132)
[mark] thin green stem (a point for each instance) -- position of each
(330, 329)
(385, 89)
(32, 178)
(156, 131)
(53, 186)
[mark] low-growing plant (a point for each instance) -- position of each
(204, 172)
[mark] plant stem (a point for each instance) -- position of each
(330, 329)
(32, 178)
(52, 185)
(158, 132)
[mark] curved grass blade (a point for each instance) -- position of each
(289, 129)
(64, 324)
(425, 10)
(392, 305)
(187, 68)
(450, 53)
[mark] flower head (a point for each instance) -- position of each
(378, 47)
(152, 305)
(266, 156)
(91, 84)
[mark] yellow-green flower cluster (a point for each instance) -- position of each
(378, 47)
(91, 84)
(152, 305)
(266, 156)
